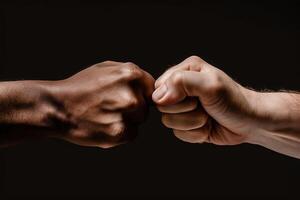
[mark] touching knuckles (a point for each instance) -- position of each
(119, 101)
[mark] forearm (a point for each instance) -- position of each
(27, 111)
(279, 122)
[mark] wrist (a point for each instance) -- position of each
(276, 111)
(31, 107)
(56, 116)
(274, 115)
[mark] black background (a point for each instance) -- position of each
(255, 43)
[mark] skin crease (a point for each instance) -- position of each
(203, 104)
(100, 106)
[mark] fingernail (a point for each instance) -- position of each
(159, 92)
(156, 84)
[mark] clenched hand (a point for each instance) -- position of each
(203, 104)
(100, 106)
(105, 103)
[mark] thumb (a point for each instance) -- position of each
(182, 84)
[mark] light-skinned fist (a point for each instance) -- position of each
(203, 104)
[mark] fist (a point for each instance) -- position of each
(202, 104)
(105, 103)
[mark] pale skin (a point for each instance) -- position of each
(203, 104)
(102, 106)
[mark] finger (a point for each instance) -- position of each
(139, 113)
(105, 117)
(100, 133)
(121, 98)
(185, 121)
(199, 135)
(188, 83)
(140, 78)
(188, 104)
(130, 135)
(105, 137)
(124, 132)
(193, 63)
(167, 74)
(147, 83)
(128, 101)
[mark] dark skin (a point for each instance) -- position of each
(100, 106)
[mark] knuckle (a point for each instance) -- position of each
(131, 70)
(203, 119)
(104, 63)
(165, 119)
(161, 108)
(193, 104)
(194, 58)
(177, 77)
(129, 100)
(117, 129)
(200, 137)
(81, 134)
(130, 65)
(196, 62)
(98, 65)
(106, 146)
(190, 137)
(132, 103)
(107, 62)
(179, 134)
(215, 85)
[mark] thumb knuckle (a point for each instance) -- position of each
(177, 77)
(215, 84)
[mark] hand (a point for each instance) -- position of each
(202, 104)
(104, 103)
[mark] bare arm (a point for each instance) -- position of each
(27, 111)
(203, 104)
(279, 122)
(98, 106)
